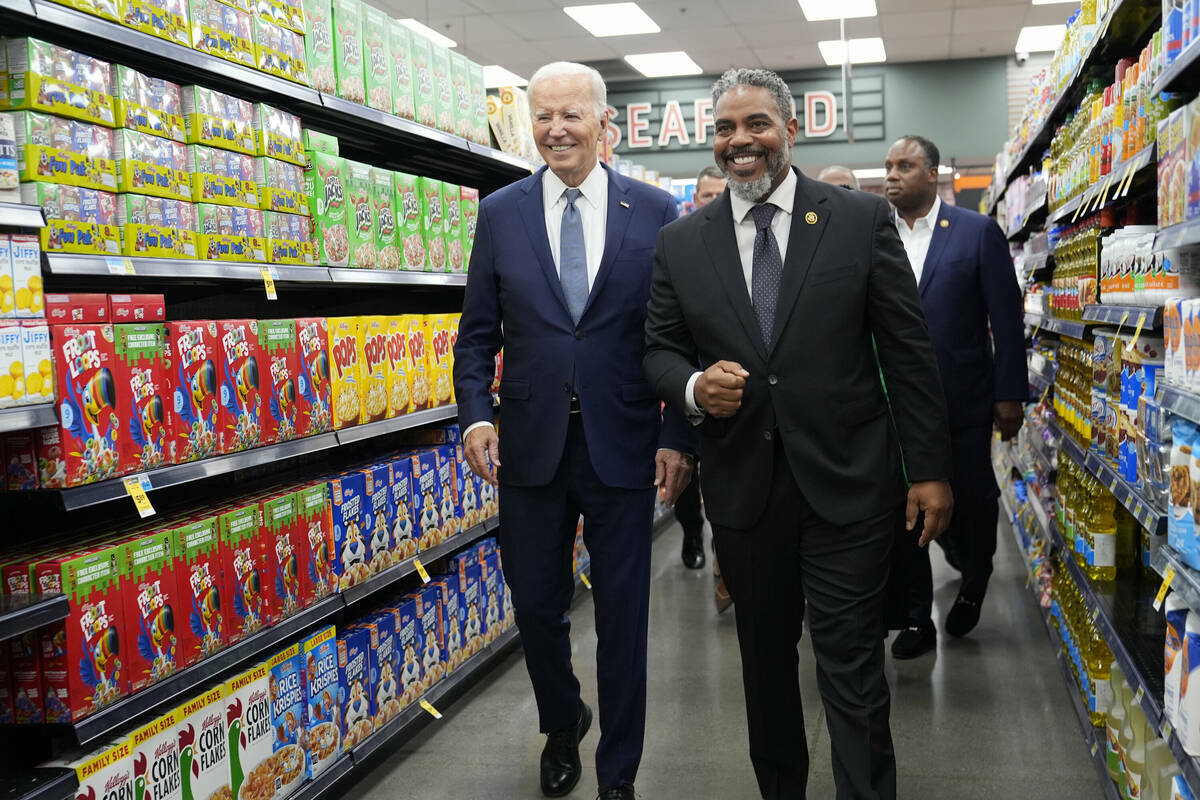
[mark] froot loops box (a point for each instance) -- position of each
(323, 733)
(354, 702)
(285, 680)
(277, 342)
(144, 404)
(240, 411)
(85, 366)
(194, 382)
(312, 376)
(202, 582)
(248, 563)
(314, 522)
(153, 601)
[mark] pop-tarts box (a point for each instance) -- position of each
(404, 541)
(354, 703)
(379, 515)
(323, 737)
(494, 590)
(472, 608)
(448, 485)
(429, 624)
(408, 651)
(451, 642)
(383, 688)
(285, 672)
(351, 553)
(427, 500)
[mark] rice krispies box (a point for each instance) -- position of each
(325, 182)
(85, 367)
(348, 49)
(382, 658)
(202, 581)
(410, 237)
(155, 755)
(427, 499)
(312, 376)
(383, 202)
(194, 383)
(204, 745)
(432, 223)
(438, 329)
(377, 58)
(314, 520)
(345, 371)
(379, 515)
(373, 358)
(354, 701)
(451, 641)
(34, 82)
(420, 390)
(351, 552)
(323, 736)
(448, 507)
(360, 215)
(432, 633)
(248, 562)
(240, 412)
(424, 85)
(143, 403)
(469, 207)
(398, 382)
(400, 42)
(288, 705)
(404, 542)
(152, 601)
(277, 343)
(251, 734)
(289, 553)
(318, 45)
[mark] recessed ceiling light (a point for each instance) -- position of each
(874, 173)
(428, 32)
(1051, 2)
(862, 51)
(663, 65)
(1040, 38)
(815, 10)
(613, 19)
(495, 76)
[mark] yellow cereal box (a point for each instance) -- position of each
(373, 390)
(420, 387)
(441, 376)
(398, 381)
(344, 352)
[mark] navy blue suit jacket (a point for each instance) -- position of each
(514, 299)
(968, 282)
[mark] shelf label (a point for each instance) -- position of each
(433, 712)
(1095, 749)
(421, 570)
(1137, 697)
(1165, 587)
(1036, 328)
(120, 266)
(136, 487)
(1127, 178)
(1124, 319)
(1166, 730)
(269, 283)
(584, 579)
(1104, 193)
(1138, 331)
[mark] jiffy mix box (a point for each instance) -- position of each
(152, 602)
(345, 372)
(144, 399)
(194, 382)
(204, 745)
(251, 735)
(248, 564)
(202, 583)
(155, 755)
(312, 376)
(354, 703)
(314, 522)
(85, 363)
(285, 678)
(431, 630)
(382, 658)
(323, 736)
(380, 513)
(239, 415)
(404, 541)
(351, 553)
(278, 344)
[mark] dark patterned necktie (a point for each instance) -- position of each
(766, 270)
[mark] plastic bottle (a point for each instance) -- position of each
(1135, 757)
(1189, 697)
(1176, 611)
(1116, 722)
(1161, 770)
(1103, 529)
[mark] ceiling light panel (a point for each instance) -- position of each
(495, 76)
(664, 65)
(1040, 38)
(613, 19)
(428, 32)
(862, 51)
(817, 10)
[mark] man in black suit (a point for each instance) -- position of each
(776, 289)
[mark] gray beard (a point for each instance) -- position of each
(757, 191)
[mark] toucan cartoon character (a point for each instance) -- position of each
(156, 639)
(283, 401)
(285, 582)
(191, 394)
(354, 549)
(206, 616)
(143, 429)
(99, 659)
(318, 375)
(248, 599)
(318, 565)
(84, 409)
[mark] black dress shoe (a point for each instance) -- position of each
(964, 616)
(622, 792)
(560, 768)
(915, 641)
(693, 550)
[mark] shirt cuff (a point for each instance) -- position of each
(472, 427)
(695, 414)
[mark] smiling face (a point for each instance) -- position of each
(752, 144)
(567, 125)
(911, 182)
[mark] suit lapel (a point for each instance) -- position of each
(803, 239)
(533, 214)
(933, 257)
(721, 245)
(621, 207)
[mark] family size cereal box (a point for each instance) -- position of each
(419, 374)
(469, 208)
(354, 703)
(25, 663)
(348, 49)
(443, 87)
(318, 45)
(12, 379)
(27, 276)
(373, 358)
(205, 745)
(323, 733)
(433, 223)
(410, 237)
(448, 596)
(400, 43)
(239, 416)
(277, 342)
(312, 376)
(409, 650)
(396, 343)
(383, 203)
(325, 183)
(438, 329)
(104, 772)
(404, 542)
(314, 520)
(382, 687)
(432, 634)
(288, 718)
(251, 734)
(361, 215)
(152, 596)
(377, 58)
(427, 499)
(248, 564)
(202, 582)
(351, 553)
(194, 382)
(279, 521)
(380, 515)
(155, 755)
(34, 81)
(145, 404)
(346, 373)
(84, 364)
(448, 486)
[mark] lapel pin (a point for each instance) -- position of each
(811, 218)
(624, 204)
(945, 223)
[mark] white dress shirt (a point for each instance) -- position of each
(744, 230)
(917, 238)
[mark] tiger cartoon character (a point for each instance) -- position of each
(381, 554)
(357, 708)
(492, 618)
(450, 521)
(509, 612)
(431, 661)
(385, 694)
(402, 533)
(430, 524)
(354, 556)
(473, 630)
(470, 506)
(43, 167)
(487, 500)
(454, 654)
(410, 676)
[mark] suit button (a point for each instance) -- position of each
(567, 388)
(767, 435)
(771, 379)
(578, 334)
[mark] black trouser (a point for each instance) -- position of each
(687, 507)
(792, 558)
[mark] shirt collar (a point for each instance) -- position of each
(783, 197)
(930, 218)
(590, 189)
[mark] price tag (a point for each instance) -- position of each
(120, 266)
(136, 487)
(421, 570)
(583, 578)
(1165, 587)
(1124, 319)
(1036, 328)
(1104, 194)
(1137, 697)
(1138, 331)
(433, 712)
(1083, 201)
(1095, 749)
(1112, 487)
(1095, 615)
(1166, 730)
(269, 283)
(1130, 171)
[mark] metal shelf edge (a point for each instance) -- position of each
(400, 278)
(37, 613)
(21, 418)
(1179, 401)
(357, 433)
(1112, 315)
(60, 787)
(20, 215)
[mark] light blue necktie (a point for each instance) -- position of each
(572, 257)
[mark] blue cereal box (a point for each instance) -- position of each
(404, 542)
(472, 609)
(494, 591)
(448, 486)
(383, 686)
(379, 515)
(451, 642)
(408, 652)
(323, 736)
(429, 624)
(354, 704)
(489, 499)
(288, 705)
(351, 555)
(427, 500)
(469, 512)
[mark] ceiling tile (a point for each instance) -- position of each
(585, 49)
(919, 48)
(914, 25)
(784, 34)
(542, 25)
(1047, 15)
(419, 9)
(978, 45)
(785, 58)
(714, 62)
(983, 20)
(911, 6)
(685, 14)
(509, 6)
(741, 12)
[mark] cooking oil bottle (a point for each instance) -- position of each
(1103, 529)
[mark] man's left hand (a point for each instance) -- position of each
(937, 501)
(1009, 417)
(672, 473)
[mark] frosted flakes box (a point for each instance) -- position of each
(151, 165)
(84, 364)
(251, 735)
(279, 51)
(314, 522)
(156, 227)
(409, 650)
(377, 58)
(451, 642)
(373, 358)
(473, 609)
(448, 484)
(166, 19)
(348, 49)
(470, 509)
(219, 120)
(202, 581)
(443, 87)
(419, 374)
(404, 542)
(461, 101)
(205, 744)
(52, 465)
(151, 600)
(425, 85)
(410, 235)
(427, 499)
(319, 45)
(312, 376)
(277, 343)
(494, 591)
(240, 412)
(194, 383)
(25, 660)
(351, 553)
(354, 702)
(323, 736)
(150, 105)
(279, 519)
(400, 43)
(288, 719)
(248, 565)
(52, 149)
(222, 31)
(222, 177)
(383, 204)
(382, 687)
(346, 370)
(155, 755)
(396, 344)
(468, 205)
(281, 186)
(144, 405)
(106, 772)
(431, 632)
(325, 182)
(452, 227)
(441, 358)
(46, 77)
(380, 513)
(361, 215)
(78, 220)
(432, 223)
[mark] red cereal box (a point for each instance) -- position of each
(151, 602)
(25, 661)
(84, 364)
(82, 308)
(194, 382)
(6, 688)
(52, 466)
(20, 461)
(277, 341)
(312, 376)
(248, 562)
(239, 414)
(291, 578)
(314, 522)
(202, 582)
(143, 399)
(136, 308)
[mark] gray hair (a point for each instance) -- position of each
(838, 168)
(761, 78)
(710, 172)
(569, 69)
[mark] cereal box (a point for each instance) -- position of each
(383, 203)
(351, 552)
(198, 362)
(156, 759)
(425, 85)
(354, 702)
(104, 772)
(359, 192)
(312, 376)
(248, 564)
(469, 209)
(219, 120)
(20, 461)
(166, 20)
(25, 661)
(409, 651)
(396, 344)
(281, 186)
(400, 43)
(152, 226)
(144, 401)
(221, 177)
(382, 658)
(9, 178)
(150, 165)
(7, 716)
(289, 239)
(494, 590)
(277, 342)
(222, 31)
(279, 519)
(287, 13)
(278, 134)
(251, 734)
(151, 598)
(404, 543)
(279, 51)
(52, 466)
(380, 514)
(63, 308)
(149, 105)
(34, 68)
(288, 719)
(78, 220)
(84, 362)
(315, 523)
(427, 499)
(432, 223)
(452, 227)
(461, 100)
(240, 413)
(82, 659)
(441, 358)
(201, 571)
(410, 235)
(346, 375)
(470, 506)
(481, 132)
(27, 275)
(443, 87)
(325, 183)
(451, 642)
(12, 379)
(323, 733)
(64, 151)
(419, 372)
(348, 49)
(448, 485)
(136, 307)
(473, 609)
(377, 58)
(373, 358)
(205, 745)
(431, 632)
(319, 45)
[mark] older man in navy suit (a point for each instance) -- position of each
(965, 277)
(560, 277)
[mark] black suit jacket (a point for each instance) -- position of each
(846, 278)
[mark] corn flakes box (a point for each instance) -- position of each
(318, 45)
(222, 31)
(433, 223)
(447, 588)
(285, 673)
(404, 542)
(473, 609)
(481, 132)
(194, 381)
(20, 462)
(85, 363)
(279, 51)
(52, 465)
(166, 19)
(346, 375)
(53, 149)
(34, 82)
(84, 657)
(12, 380)
(373, 358)
(314, 521)
(354, 701)
(461, 101)
(438, 328)
(403, 95)
(419, 372)
(78, 220)
(312, 376)
(279, 520)
(240, 412)
(206, 742)
(28, 682)
(150, 105)
(380, 514)
(468, 205)
(323, 736)
(278, 345)
(104, 772)
(427, 499)
(361, 215)
(151, 600)
(202, 582)
(410, 237)
(382, 657)
(142, 369)
(447, 465)
(325, 182)
(351, 551)
(221, 177)
(251, 735)
(431, 632)
(425, 85)
(443, 84)
(396, 344)
(248, 564)
(155, 756)
(348, 50)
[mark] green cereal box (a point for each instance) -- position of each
(360, 215)
(383, 203)
(409, 235)
(481, 134)
(443, 87)
(348, 49)
(325, 183)
(319, 143)
(460, 85)
(452, 226)
(377, 58)
(469, 206)
(403, 104)
(425, 90)
(318, 45)
(432, 223)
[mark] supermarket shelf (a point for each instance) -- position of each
(1146, 514)
(379, 276)
(1113, 315)
(1179, 401)
(1187, 580)
(1039, 381)
(1037, 262)
(19, 215)
(1181, 235)
(1034, 217)
(1097, 196)
(332, 775)
(1183, 75)
(50, 783)
(23, 417)
(1049, 322)
(23, 613)
(383, 427)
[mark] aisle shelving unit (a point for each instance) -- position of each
(19, 215)
(23, 613)
(39, 784)
(1150, 319)
(1049, 322)
(1120, 181)
(20, 418)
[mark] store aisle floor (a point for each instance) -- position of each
(987, 717)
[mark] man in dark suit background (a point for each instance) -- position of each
(776, 289)
(559, 277)
(966, 280)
